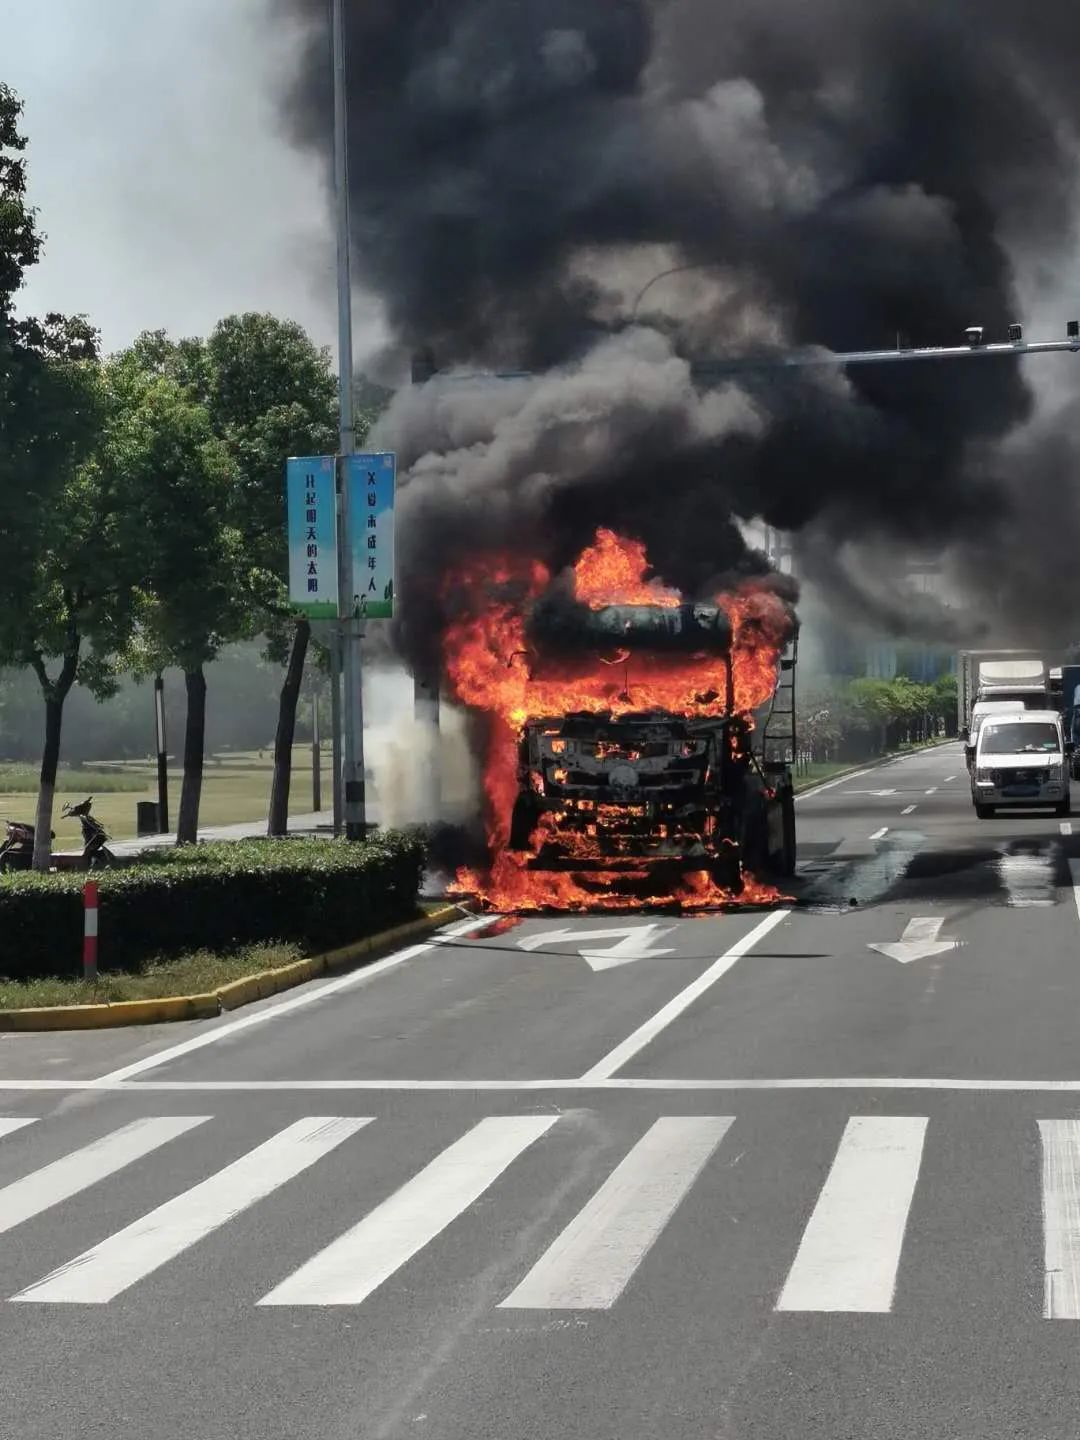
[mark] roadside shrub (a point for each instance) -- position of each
(318, 893)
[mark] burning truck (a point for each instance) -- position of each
(620, 767)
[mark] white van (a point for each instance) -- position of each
(979, 711)
(1021, 760)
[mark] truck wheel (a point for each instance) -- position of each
(522, 824)
(754, 838)
(726, 874)
(984, 812)
(785, 861)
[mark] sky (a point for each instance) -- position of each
(166, 190)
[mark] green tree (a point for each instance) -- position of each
(270, 393)
(176, 479)
(874, 704)
(944, 700)
(62, 592)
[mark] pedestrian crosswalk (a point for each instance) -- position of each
(141, 1247)
(850, 1250)
(346, 1272)
(592, 1261)
(847, 1257)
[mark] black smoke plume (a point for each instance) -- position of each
(838, 173)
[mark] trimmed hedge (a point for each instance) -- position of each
(320, 893)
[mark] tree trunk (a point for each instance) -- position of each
(278, 821)
(54, 693)
(187, 827)
(50, 759)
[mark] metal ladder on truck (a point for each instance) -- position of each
(778, 736)
(779, 751)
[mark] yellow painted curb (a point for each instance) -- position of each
(225, 997)
(124, 1012)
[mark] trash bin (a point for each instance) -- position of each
(146, 818)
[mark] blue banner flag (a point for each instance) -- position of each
(313, 561)
(371, 480)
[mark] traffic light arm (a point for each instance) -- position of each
(843, 358)
(799, 359)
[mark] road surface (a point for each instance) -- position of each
(812, 1172)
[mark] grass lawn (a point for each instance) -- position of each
(236, 788)
(187, 975)
(819, 770)
(192, 974)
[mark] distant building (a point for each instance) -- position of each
(847, 650)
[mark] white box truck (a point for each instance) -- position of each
(999, 675)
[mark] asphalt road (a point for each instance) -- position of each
(743, 1177)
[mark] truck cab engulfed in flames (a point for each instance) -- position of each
(639, 740)
(616, 792)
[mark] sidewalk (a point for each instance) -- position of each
(313, 823)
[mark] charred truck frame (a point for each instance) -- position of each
(645, 788)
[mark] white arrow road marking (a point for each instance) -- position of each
(560, 937)
(635, 943)
(637, 946)
(918, 941)
(871, 792)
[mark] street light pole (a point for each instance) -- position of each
(352, 629)
(426, 686)
(316, 754)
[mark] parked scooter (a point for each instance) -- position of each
(96, 853)
(17, 850)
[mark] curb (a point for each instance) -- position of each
(225, 997)
(877, 764)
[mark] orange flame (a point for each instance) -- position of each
(491, 670)
(612, 572)
(511, 886)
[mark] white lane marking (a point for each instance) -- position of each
(1061, 1218)
(287, 1007)
(644, 1034)
(569, 1084)
(72, 1173)
(948, 778)
(933, 790)
(9, 1126)
(590, 1264)
(877, 835)
(1074, 871)
(1029, 880)
(829, 784)
(908, 811)
(358, 1262)
(850, 1250)
(1065, 827)
(102, 1272)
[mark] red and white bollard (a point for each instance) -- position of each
(90, 930)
